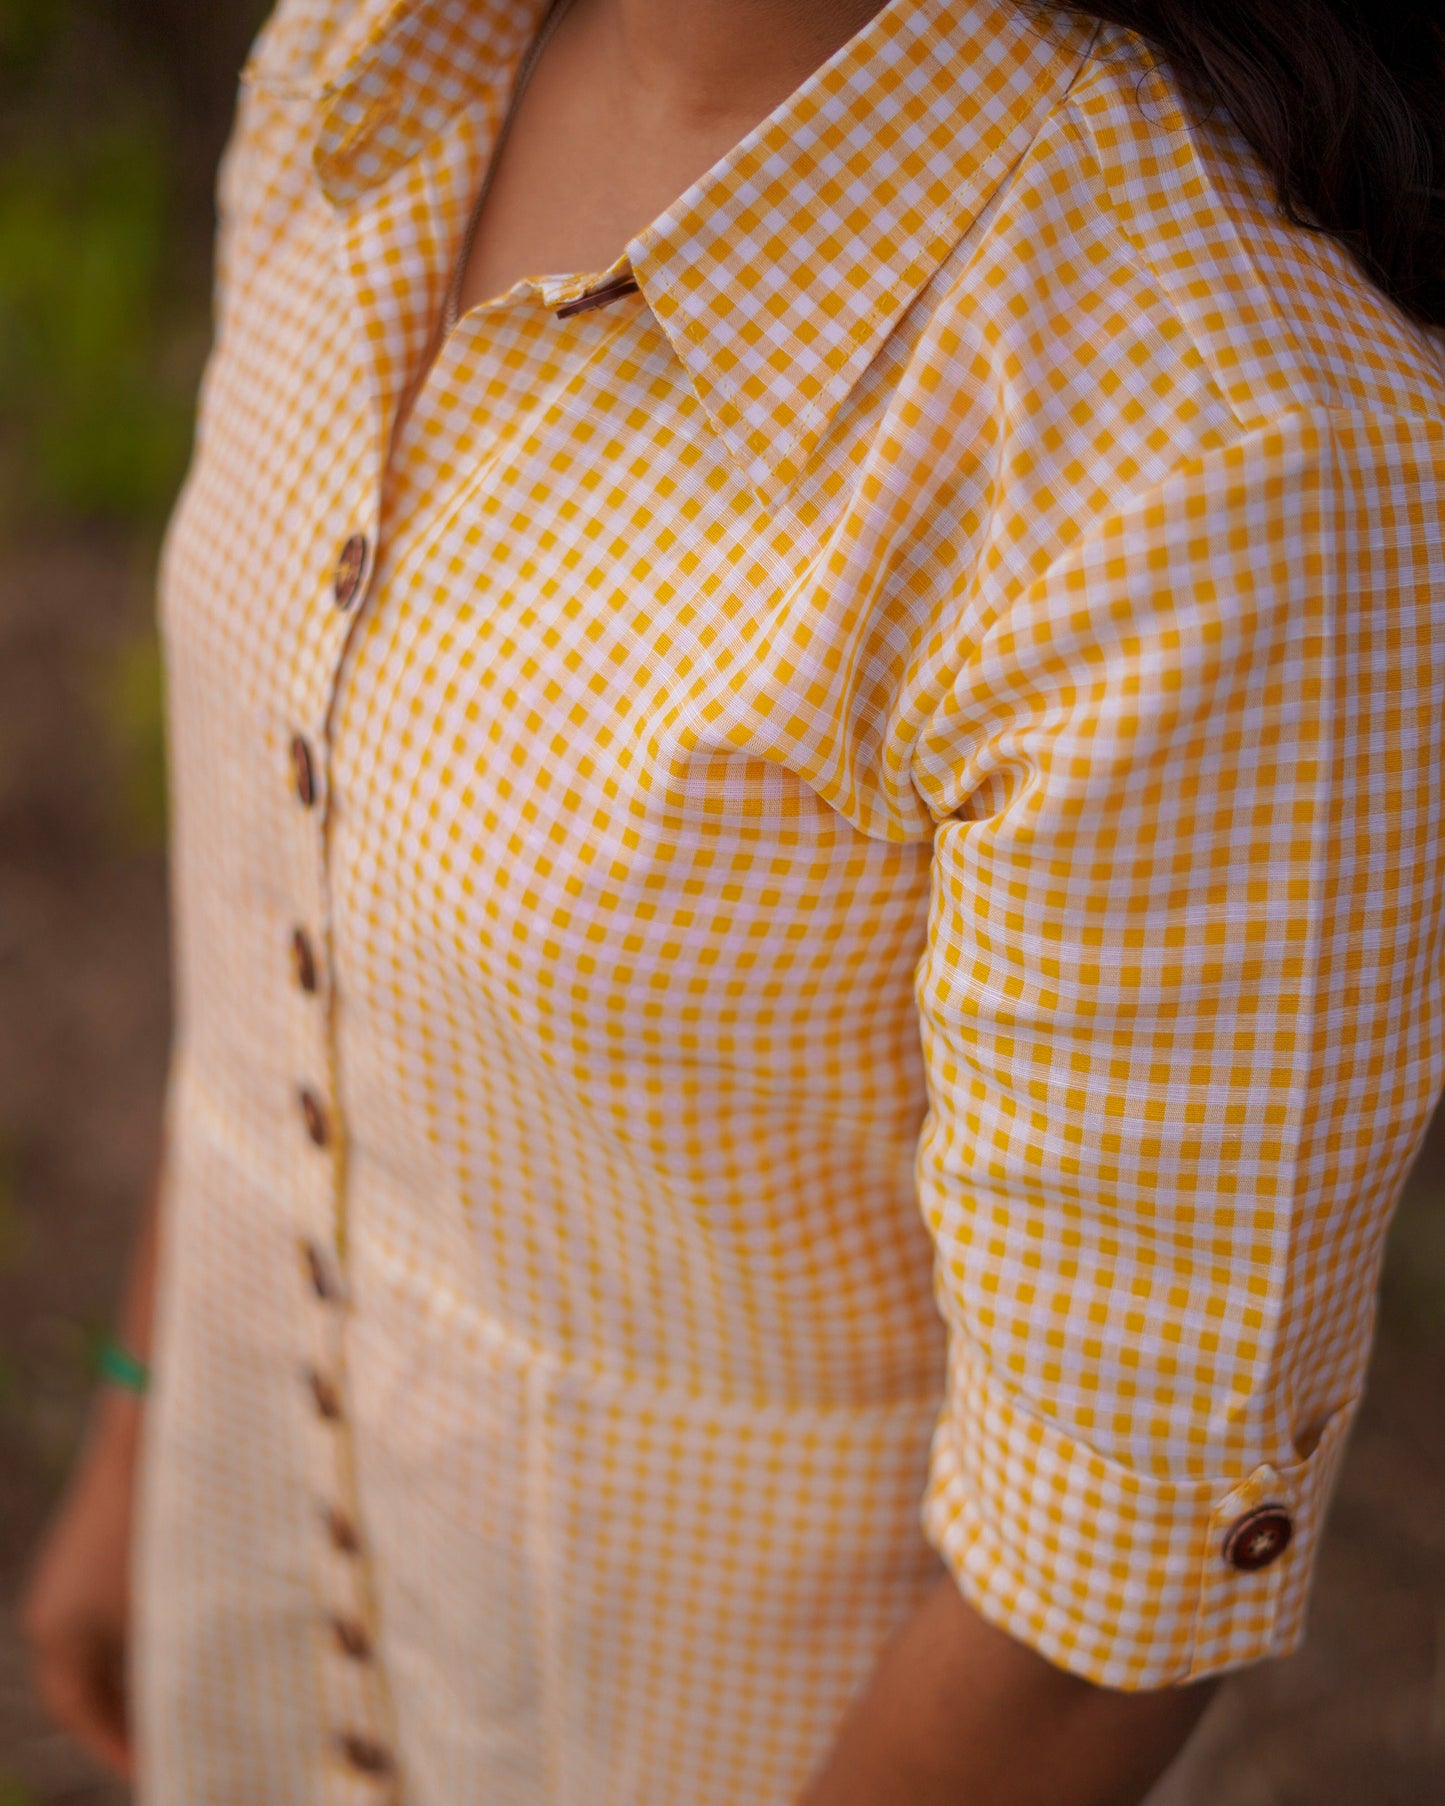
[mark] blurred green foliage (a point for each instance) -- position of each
(100, 421)
(16, 1793)
(112, 114)
(27, 32)
(130, 702)
(94, 405)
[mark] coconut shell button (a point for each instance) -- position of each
(1258, 1538)
(343, 1533)
(350, 569)
(303, 960)
(365, 1754)
(303, 775)
(328, 1399)
(351, 1638)
(318, 1270)
(314, 1117)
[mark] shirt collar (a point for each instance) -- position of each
(779, 274)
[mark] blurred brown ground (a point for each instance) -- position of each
(1356, 1719)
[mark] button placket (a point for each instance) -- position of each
(357, 1706)
(358, 1712)
(355, 1686)
(356, 1717)
(349, 574)
(356, 1703)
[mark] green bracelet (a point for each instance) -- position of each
(122, 1368)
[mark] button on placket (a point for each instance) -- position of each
(367, 1755)
(357, 1706)
(342, 1532)
(351, 1638)
(325, 1395)
(313, 1115)
(303, 770)
(303, 961)
(320, 1272)
(350, 571)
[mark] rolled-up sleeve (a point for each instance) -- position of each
(1181, 1012)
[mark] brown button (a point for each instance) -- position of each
(301, 771)
(328, 1399)
(315, 1116)
(350, 566)
(366, 1754)
(1257, 1539)
(322, 1282)
(351, 1638)
(303, 961)
(342, 1531)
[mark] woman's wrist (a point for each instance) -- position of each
(123, 1379)
(117, 1366)
(112, 1436)
(956, 1710)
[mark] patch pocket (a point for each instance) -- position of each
(300, 46)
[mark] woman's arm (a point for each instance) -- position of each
(958, 1713)
(1180, 780)
(76, 1609)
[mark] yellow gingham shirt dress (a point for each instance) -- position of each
(808, 921)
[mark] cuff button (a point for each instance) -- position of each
(1258, 1538)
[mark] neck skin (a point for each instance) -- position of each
(629, 103)
(697, 65)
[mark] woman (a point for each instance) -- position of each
(806, 711)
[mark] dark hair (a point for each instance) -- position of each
(1343, 102)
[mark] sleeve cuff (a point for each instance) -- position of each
(1130, 1580)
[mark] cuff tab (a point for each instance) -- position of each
(1128, 1578)
(1252, 1524)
